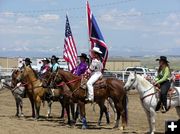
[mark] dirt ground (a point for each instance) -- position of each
(9, 124)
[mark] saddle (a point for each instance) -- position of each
(172, 92)
(100, 83)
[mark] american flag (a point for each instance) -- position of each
(95, 35)
(70, 51)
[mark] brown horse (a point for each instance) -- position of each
(14, 82)
(33, 86)
(63, 95)
(113, 88)
(40, 93)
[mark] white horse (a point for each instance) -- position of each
(149, 97)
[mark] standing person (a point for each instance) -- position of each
(54, 63)
(27, 62)
(82, 67)
(163, 80)
(95, 70)
(45, 67)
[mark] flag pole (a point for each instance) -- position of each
(89, 43)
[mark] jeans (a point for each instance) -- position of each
(164, 90)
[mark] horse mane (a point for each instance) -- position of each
(62, 72)
(34, 72)
(143, 80)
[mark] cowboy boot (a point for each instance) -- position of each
(158, 106)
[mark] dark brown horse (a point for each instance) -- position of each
(113, 88)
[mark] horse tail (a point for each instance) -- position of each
(125, 106)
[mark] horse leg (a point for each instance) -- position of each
(21, 105)
(119, 110)
(152, 119)
(17, 107)
(37, 105)
(32, 105)
(49, 108)
(62, 111)
(107, 115)
(178, 111)
(103, 109)
(68, 113)
(83, 115)
(72, 111)
(101, 113)
(125, 112)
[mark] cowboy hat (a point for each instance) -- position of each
(97, 50)
(54, 58)
(45, 59)
(27, 60)
(163, 58)
(83, 55)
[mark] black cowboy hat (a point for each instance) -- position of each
(27, 60)
(163, 58)
(54, 58)
(83, 55)
(45, 59)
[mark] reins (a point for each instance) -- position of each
(69, 82)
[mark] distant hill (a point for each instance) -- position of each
(151, 63)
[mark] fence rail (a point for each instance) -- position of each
(122, 75)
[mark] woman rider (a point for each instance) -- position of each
(54, 63)
(163, 80)
(82, 67)
(95, 70)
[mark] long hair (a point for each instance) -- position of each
(100, 56)
(161, 67)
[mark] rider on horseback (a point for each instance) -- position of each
(54, 63)
(82, 67)
(163, 80)
(95, 70)
(45, 67)
(27, 62)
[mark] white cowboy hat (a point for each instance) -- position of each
(97, 50)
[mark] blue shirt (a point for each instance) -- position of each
(54, 67)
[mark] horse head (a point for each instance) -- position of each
(56, 78)
(15, 74)
(131, 82)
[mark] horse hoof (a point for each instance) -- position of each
(84, 127)
(108, 123)
(122, 128)
(48, 115)
(22, 115)
(115, 127)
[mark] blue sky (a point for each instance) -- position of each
(130, 27)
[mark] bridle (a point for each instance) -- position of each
(132, 82)
(62, 83)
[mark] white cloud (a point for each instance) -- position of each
(49, 17)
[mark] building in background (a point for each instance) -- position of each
(8, 62)
(118, 64)
(113, 64)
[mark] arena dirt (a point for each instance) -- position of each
(9, 124)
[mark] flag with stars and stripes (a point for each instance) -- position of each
(95, 35)
(70, 51)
